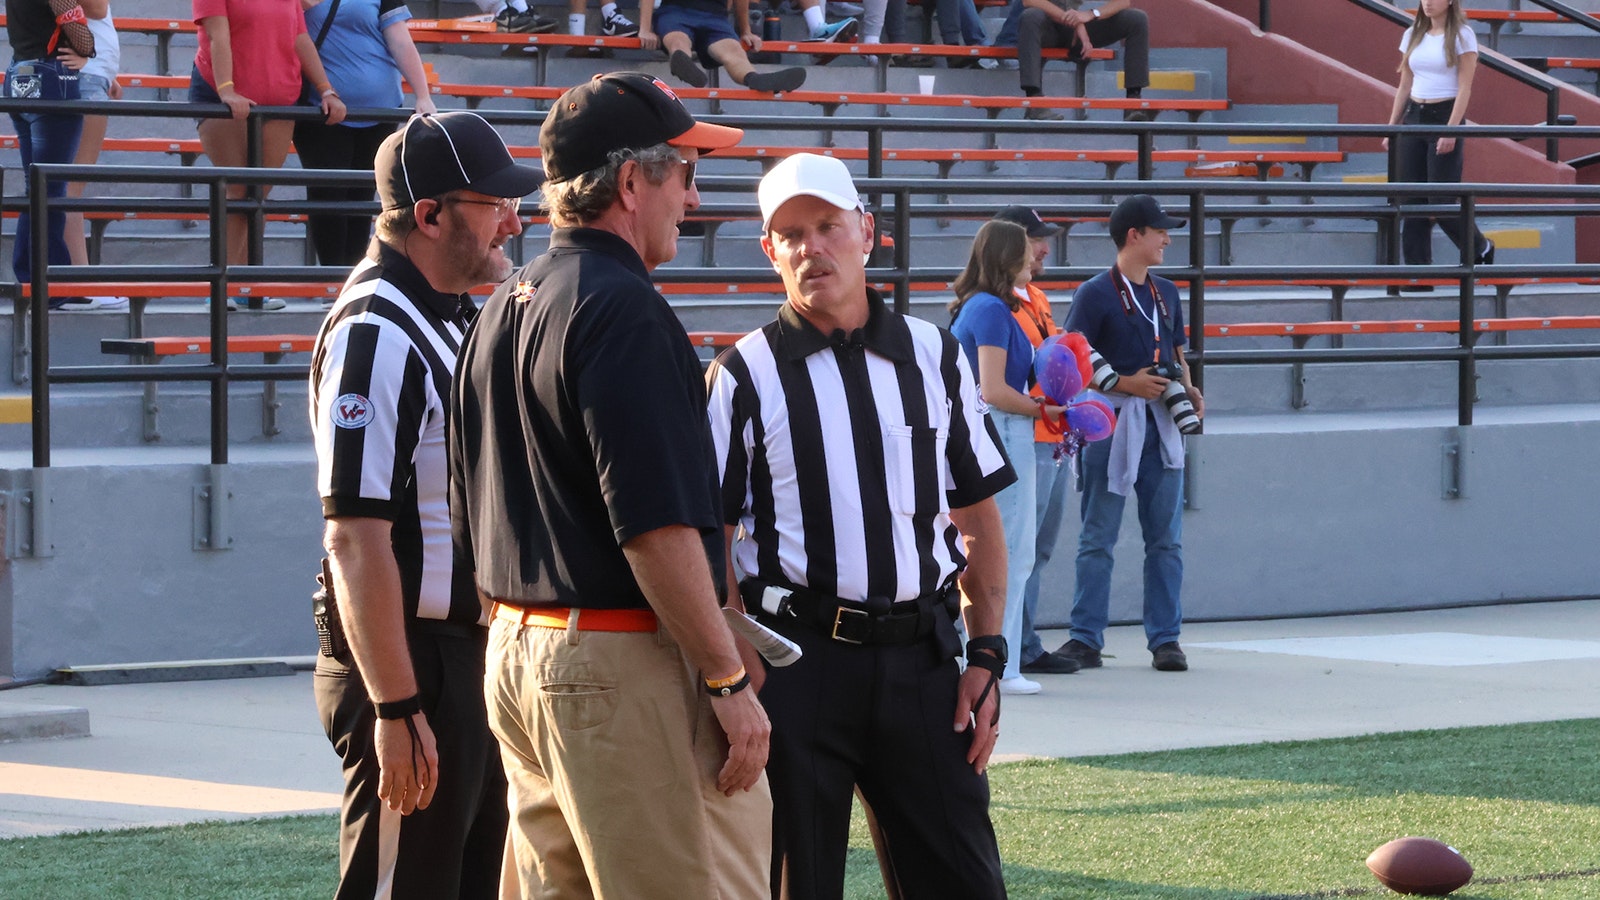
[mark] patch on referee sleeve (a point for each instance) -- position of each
(352, 411)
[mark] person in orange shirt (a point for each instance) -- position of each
(1037, 323)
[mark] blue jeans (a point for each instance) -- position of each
(45, 138)
(1016, 514)
(1007, 37)
(1160, 498)
(1050, 490)
(959, 23)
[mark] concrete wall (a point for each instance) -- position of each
(1285, 522)
(125, 584)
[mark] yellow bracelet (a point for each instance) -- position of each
(720, 683)
(224, 86)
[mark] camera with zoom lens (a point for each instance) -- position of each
(1176, 398)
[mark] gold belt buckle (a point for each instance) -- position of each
(838, 619)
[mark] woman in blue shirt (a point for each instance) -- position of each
(366, 49)
(1001, 355)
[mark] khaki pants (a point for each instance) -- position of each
(612, 752)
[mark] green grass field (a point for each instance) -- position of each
(1289, 821)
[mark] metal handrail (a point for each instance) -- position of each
(898, 204)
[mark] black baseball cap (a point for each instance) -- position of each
(1142, 211)
(432, 155)
(1029, 220)
(620, 111)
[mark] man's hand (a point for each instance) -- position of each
(984, 720)
(1198, 401)
(749, 733)
(649, 40)
(752, 44)
(1143, 383)
(408, 770)
(1072, 18)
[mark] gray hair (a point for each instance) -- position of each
(584, 198)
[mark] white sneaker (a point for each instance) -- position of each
(988, 62)
(81, 304)
(1016, 684)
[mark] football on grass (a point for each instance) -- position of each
(1419, 865)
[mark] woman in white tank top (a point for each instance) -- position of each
(1440, 58)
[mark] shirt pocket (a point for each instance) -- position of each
(919, 469)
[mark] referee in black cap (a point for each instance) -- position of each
(400, 685)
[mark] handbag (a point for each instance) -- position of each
(73, 25)
(308, 91)
(41, 79)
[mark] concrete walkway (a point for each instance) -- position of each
(191, 751)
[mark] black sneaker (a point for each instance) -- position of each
(1487, 259)
(779, 82)
(1042, 114)
(1048, 663)
(686, 70)
(1169, 658)
(511, 21)
(1084, 655)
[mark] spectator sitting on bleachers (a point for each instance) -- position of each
(701, 27)
(818, 28)
(514, 17)
(1057, 23)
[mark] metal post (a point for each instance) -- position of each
(39, 234)
(1264, 17)
(1197, 289)
(219, 321)
(1466, 369)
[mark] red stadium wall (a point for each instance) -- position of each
(1312, 57)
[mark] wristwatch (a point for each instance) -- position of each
(1095, 12)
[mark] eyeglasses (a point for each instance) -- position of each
(502, 207)
(688, 174)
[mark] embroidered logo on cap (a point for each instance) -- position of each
(352, 411)
(662, 86)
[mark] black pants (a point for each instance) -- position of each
(1421, 161)
(339, 240)
(1036, 31)
(877, 717)
(454, 847)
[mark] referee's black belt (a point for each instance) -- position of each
(871, 621)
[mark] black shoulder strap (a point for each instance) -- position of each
(322, 33)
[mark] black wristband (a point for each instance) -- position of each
(731, 689)
(399, 709)
(994, 643)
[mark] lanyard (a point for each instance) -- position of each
(1131, 303)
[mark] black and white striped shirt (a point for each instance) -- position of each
(380, 382)
(842, 456)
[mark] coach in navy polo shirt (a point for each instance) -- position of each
(424, 811)
(583, 488)
(858, 477)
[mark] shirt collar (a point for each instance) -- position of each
(600, 241)
(404, 274)
(885, 334)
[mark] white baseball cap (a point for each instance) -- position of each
(810, 175)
